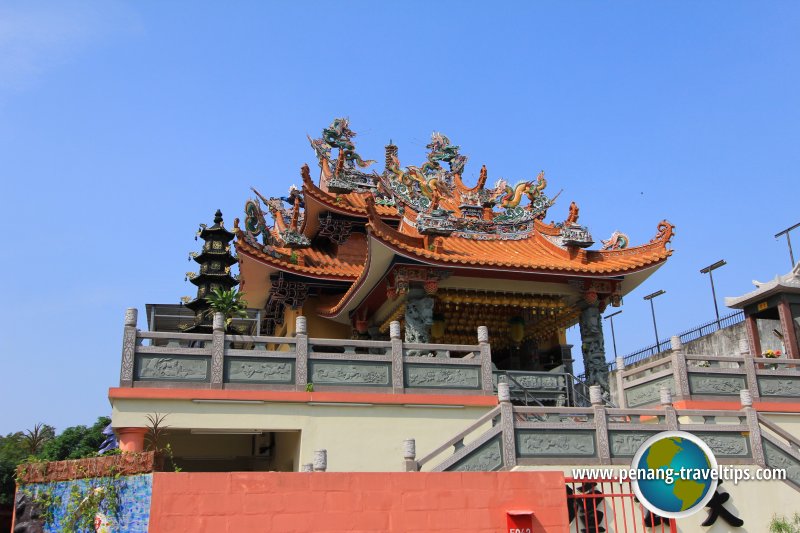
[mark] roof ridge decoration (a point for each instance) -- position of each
(286, 229)
(430, 199)
(342, 175)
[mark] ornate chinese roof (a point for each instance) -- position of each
(426, 214)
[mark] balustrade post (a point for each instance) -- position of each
(754, 427)
(749, 369)
(507, 426)
(128, 348)
(486, 360)
(301, 353)
(600, 424)
(218, 351)
(680, 372)
(410, 455)
(670, 415)
(621, 400)
(398, 376)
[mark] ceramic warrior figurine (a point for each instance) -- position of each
(419, 316)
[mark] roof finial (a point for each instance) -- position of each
(218, 218)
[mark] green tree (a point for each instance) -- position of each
(76, 442)
(229, 303)
(12, 453)
(35, 438)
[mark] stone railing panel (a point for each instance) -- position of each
(484, 454)
(726, 444)
(259, 370)
(350, 373)
(168, 367)
(780, 456)
(648, 393)
(775, 385)
(434, 376)
(553, 443)
(716, 384)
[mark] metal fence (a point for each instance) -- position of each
(687, 336)
(608, 505)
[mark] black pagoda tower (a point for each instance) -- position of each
(215, 271)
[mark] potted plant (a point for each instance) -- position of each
(229, 302)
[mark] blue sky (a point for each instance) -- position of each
(125, 124)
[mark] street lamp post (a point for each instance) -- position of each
(709, 270)
(653, 311)
(613, 337)
(788, 240)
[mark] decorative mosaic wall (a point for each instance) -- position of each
(135, 493)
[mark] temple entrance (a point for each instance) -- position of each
(234, 450)
(525, 329)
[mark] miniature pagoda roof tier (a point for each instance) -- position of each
(215, 261)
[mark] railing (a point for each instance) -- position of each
(687, 336)
(598, 435)
(477, 430)
(219, 360)
(691, 376)
(534, 388)
(599, 505)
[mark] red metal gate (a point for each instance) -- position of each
(609, 506)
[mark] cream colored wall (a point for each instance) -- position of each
(366, 439)
(755, 502)
(788, 422)
(287, 447)
(322, 328)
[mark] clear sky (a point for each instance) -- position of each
(125, 124)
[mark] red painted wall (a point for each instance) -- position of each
(413, 502)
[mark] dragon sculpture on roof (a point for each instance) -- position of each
(442, 150)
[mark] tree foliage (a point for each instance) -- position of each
(229, 303)
(41, 443)
(76, 442)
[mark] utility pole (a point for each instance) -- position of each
(788, 240)
(653, 311)
(613, 337)
(708, 270)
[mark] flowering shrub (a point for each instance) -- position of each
(772, 354)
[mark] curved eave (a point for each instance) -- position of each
(789, 283)
(332, 272)
(379, 259)
(555, 260)
(348, 204)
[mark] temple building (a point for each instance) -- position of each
(356, 249)
(400, 324)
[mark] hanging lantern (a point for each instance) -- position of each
(437, 327)
(517, 329)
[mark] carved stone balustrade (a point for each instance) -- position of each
(222, 360)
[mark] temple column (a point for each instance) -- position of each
(419, 316)
(593, 346)
(131, 439)
(787, 325)
(751, 327)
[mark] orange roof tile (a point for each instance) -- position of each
(310, 261)
(351, 203)
(534, 253)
